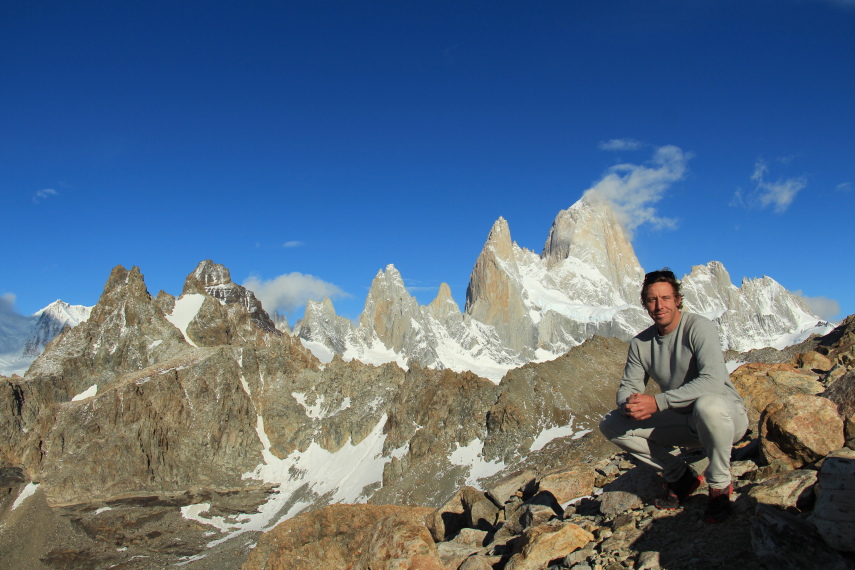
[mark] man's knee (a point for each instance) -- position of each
(611, 424)
(712, 410)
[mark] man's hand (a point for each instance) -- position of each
(640, 406)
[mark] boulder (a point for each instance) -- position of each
(842, 393)
(337, 535)
(502, 490)
(792, 489)
(568, 484)
(761, 384)
(482, 514)
(633, 489)
(814, 361)
(800, 430)
(452, 554)
(534, 515)
(399, 544)
(446, 521)
(834, 511)
(542, 544)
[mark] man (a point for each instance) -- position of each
(697, 405)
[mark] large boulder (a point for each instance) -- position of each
(791, 489)
(842, 393)
(834, 512)
(338, 536)
(542, 544)
(761, 384)
(398, 543)
(571, 483)
(800, 430)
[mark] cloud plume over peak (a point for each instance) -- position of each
(290, 292)
(633, 189)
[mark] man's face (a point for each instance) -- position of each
(661, 304)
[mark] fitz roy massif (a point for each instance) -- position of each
(161, 430)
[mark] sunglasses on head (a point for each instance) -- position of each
(664, 272)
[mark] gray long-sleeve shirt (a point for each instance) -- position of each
(686, 363)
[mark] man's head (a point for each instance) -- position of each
(660, 295)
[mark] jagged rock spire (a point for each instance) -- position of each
(495, 295)
(215, 280)
(590, 232)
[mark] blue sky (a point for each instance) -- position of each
(306, 145)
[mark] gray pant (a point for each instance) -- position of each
(715, 423)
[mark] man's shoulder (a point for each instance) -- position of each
(647, 334)
(691, 320)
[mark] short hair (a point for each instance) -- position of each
(664, 275)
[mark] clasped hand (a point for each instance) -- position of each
(640, 406)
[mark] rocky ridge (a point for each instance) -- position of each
(190, 412)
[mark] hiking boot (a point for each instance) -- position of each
(679, 490)
(718, 509)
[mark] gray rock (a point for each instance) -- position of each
(792, 489)
(834, 512)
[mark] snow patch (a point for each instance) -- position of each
(555, 432)
(185, 310)
(26, 493)
(319, 349)
(342, 475)
(88, 393)
(472, 455)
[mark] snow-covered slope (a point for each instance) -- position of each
(22, 338)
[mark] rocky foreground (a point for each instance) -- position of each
(793, 506)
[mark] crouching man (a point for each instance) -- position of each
(697, 406)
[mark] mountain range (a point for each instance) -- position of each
(167, 429)
(520, 306)
(527, 307)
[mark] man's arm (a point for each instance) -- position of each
(634, 378)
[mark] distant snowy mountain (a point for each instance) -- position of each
(523, 307)
(23, 338)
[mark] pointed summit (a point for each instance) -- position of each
(495, 293)
(443, 306)
(589, 231)
(499, 240)
(213, 279)
(389, 308)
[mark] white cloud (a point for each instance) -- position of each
(821, 306)
(292, 244)
(291, 291)
(44, 194)
(844, 187)
(632, 189)
(780, 193)
(621, 144)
